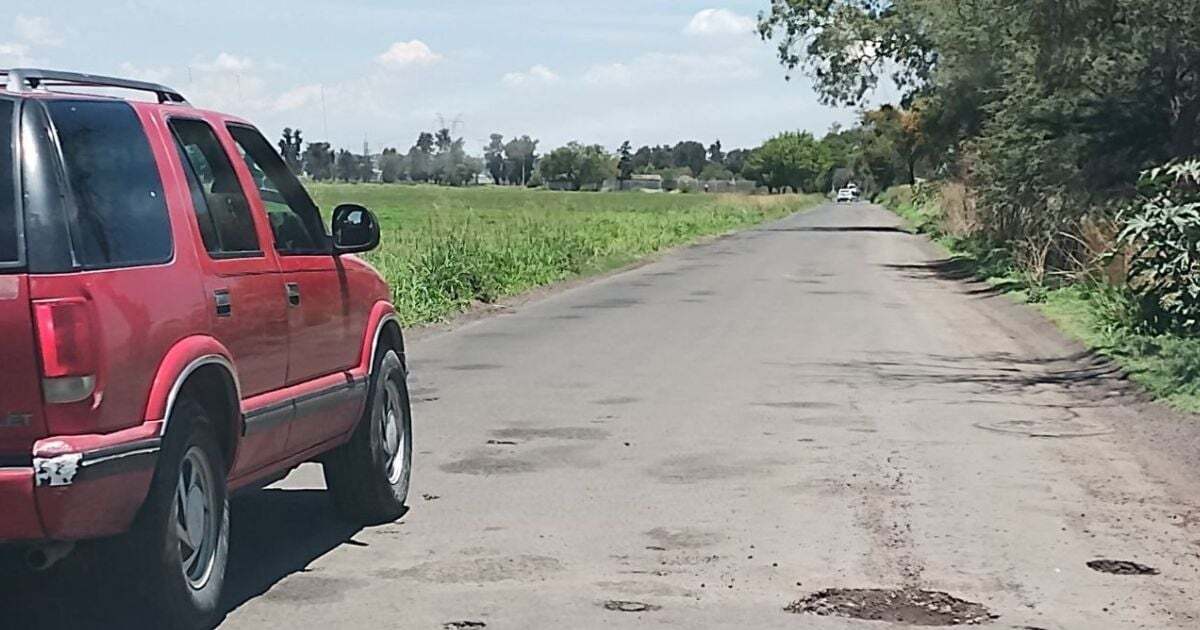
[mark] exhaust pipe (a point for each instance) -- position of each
(42, 557)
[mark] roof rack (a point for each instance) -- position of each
(24, 79)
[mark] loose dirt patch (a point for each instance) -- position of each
(617, 605)
(1047, 428)
(909, 606)
(1121, 567)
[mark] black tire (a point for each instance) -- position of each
(368, 484)
(179, 593)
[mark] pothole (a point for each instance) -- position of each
(1047, 427)
(618, 605)
(1121, 567)
(910, 606)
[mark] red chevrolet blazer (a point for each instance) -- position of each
(176, 323)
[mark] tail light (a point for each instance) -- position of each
(65, 338)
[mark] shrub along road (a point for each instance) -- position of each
(705, 440)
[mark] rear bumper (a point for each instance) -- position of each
(79, 487)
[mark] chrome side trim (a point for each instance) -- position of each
(390, 317)
(187, 371)
(65, 469)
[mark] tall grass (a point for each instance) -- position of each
(445, 249)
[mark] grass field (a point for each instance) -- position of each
(445, 249)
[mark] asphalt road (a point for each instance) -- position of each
(818, 403)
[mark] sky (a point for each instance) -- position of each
(652, 72)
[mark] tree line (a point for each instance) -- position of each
(791, 161)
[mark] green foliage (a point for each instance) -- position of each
(790, 160)
(578, 166)
(1162, 235)
(289, 149)
(845, 44)
(1047, 108)
(318, 161)
(1107, 319)
(445, 249)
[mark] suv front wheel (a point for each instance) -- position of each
(369, 475)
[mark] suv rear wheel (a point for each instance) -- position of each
(180, 540)
(369, 475)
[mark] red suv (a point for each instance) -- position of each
(176, 324)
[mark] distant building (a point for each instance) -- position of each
(636, 182)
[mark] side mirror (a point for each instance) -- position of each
(355, 229)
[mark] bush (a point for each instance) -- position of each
(1162, 235)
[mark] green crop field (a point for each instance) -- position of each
(445, 249)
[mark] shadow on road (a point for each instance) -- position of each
(884, 229)
(991, 374)
(958, 269)
(274, 534)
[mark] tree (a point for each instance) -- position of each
(366, 167)
(1047, 109)
(789, 160)
(625, 164)
(735, 160)
(690, 154)
(391, 166)
(493, 156)
(662, 157)
(715, 171)
(715, 154)
(420, 158)
(318, 161)
(642, 160)
(520, 159)
(289, 147)
(578, 166)
(443, 139)
(844, 44)
(347, 168)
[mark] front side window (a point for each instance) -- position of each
(222, 212)
(9, 238)
(117, 216)
(295, 220)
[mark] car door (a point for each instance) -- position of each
(242, 284)
(325, 325)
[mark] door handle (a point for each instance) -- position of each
(224, 306)
(293, 294)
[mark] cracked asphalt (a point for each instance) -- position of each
(699, 442)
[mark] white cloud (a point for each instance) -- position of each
(711, 22)
(538, 74)
(153, 74)
(225, 62)
(298, 98)
(673, 68)
(13, 55)
(38, 31)
(413, 53)
(227, 83)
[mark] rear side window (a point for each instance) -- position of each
(118, 217)
(9, 243)
(222, 211)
